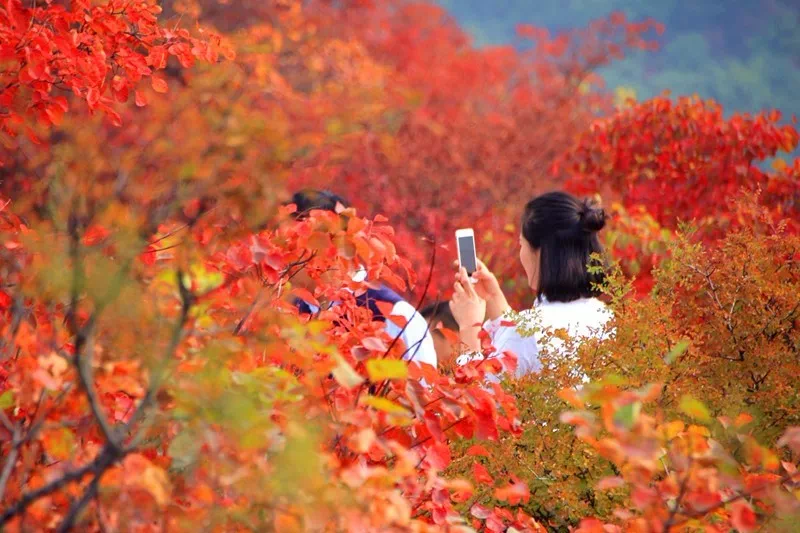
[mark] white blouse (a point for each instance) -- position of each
(528, 332)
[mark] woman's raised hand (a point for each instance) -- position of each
(468, 308)
(487, 287)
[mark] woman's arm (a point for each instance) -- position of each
(468, 309)
(488, 288)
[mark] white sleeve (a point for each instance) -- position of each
(507, 338)
(417, 338)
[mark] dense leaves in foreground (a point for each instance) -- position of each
(154, 373)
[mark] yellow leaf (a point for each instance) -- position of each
(59, 443)
(154, 480)
(695, 409)
(380, 369)
(382, 404)
(674, 428)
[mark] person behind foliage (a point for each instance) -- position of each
(440, 318)
(415, 335)
(556, 245)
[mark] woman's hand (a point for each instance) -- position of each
(468, 309)
(488, 288)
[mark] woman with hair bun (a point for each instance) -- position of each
(556, 244)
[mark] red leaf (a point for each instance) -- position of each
(743, 518)
(148, 257)
(5, 300)
(481, 475)
(478, 450)
(94, 235)
(438, 455)
(240, 257)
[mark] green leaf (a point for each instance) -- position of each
(627, 415)
(6, 399)
(695, 409)
(184, 449)
(676, 351)
(380, 369)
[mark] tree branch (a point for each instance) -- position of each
(83, 364)
(78, 505)
(84, 347)
(105, 459)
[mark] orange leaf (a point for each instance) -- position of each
(159, 84)
(514, 493)
(154, 480)
(140, 99)
(743, 419)
(571, 397)
(202, 493)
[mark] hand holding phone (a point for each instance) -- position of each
(465, 240)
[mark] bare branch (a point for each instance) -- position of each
(78, 505)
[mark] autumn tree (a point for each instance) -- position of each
(154, 372)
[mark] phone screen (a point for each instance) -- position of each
(466, 251)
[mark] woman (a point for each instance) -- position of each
(558, 238)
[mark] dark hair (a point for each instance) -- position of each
(308, 200)
(440, 312)
(564, 229)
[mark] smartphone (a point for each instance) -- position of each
(465, 239)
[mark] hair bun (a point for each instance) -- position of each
(593, 219)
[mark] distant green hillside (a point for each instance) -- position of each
(743, 53)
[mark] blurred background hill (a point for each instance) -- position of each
(743, 53)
